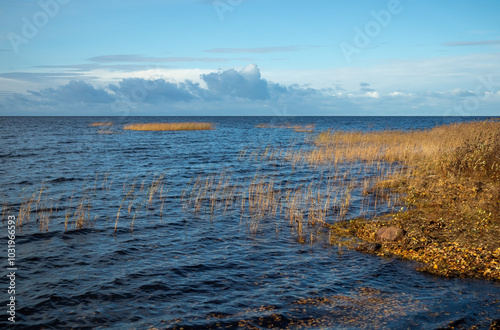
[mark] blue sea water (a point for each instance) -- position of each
(181, 269)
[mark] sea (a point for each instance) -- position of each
(111, 237)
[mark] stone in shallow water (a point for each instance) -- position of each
(369, 247)
(389, 234)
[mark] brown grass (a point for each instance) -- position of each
(408, 149)
(188, 126)
(392, 146)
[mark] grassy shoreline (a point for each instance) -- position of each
(452, 216)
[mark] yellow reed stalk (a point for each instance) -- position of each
(121, 204)
(188, 126)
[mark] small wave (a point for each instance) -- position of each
(24, 182)
(63, 179)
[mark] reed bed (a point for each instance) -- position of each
(188, 126)
(101, 123)
(272, 200)
(401, 146)
(406, 147)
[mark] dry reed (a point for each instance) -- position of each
(188, 126)
(78, 210)
(405, 147)
(104, 123)
(306, 207)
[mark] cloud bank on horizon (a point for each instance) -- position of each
(221, 57)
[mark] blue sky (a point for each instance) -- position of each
(249, 57)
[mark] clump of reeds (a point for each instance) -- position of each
(305, 129)
(478, 156)
(306, 207)
(210, 193)
(405, 147)
(103, 123)
(400, 146)
(188, 126)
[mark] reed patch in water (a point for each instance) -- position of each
(265, 201)
(405, 147)
(102, 123)
(188, 126)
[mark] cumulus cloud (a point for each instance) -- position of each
(156, 91)
(75, 91)
(242, 91)
(246, 83)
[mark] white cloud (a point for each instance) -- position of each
(246, 83)
(374, 95)
(248, 92)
